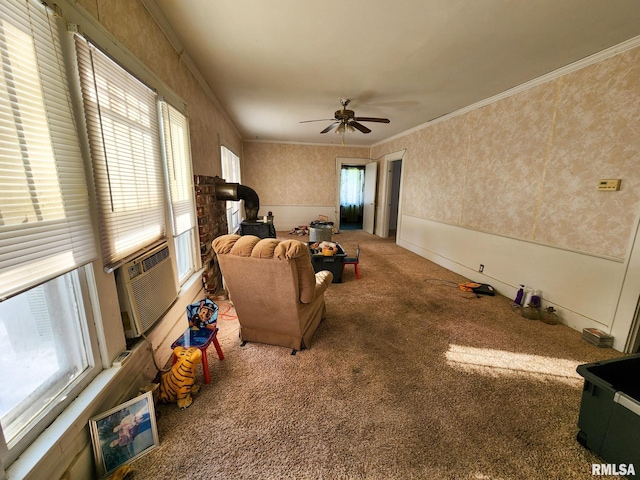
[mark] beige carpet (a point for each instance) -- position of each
(407, 377)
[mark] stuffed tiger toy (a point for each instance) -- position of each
(178, 384)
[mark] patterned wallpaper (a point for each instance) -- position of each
(207, 123)
(528, 166)
(294, 174)
(505, 165)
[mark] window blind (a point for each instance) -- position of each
(45, 226)
(231, 173)
(122, 124)
(175, 128)
(230, 165)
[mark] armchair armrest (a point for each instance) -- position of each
(323, 280)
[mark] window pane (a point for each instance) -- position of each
(185, 257)
(231, 173)
(42, 344)
(175, 127)
(352, 186)
(122, 123)
(230, 228)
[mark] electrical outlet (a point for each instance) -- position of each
(481, 269)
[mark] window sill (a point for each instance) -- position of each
(58, 440)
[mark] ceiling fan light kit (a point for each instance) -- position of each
(344, 128)
(347, 122)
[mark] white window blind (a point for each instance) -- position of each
(175, 128)
(231, 173)
(45, 227)
(122, 123)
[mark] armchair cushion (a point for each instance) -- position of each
(244, 245)
(264, 248)
(299, 253)
(224, 243)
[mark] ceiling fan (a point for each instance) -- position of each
(346, 121)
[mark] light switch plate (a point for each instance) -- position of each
(612, 184)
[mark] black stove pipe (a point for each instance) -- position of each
(235, 192)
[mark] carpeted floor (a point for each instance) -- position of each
(407, 377)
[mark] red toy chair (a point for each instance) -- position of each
(201, 339)
(353, 261)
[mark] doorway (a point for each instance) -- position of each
(351, 197)
(365, 220)
(394, 195)
(390, 212)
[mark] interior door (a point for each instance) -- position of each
(369, 209)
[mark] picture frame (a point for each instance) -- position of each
(124, 433)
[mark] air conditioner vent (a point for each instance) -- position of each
(149, 262)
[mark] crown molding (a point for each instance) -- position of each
(277, 142)
(178, 46)
(555, 74)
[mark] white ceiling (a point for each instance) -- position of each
(274, 63)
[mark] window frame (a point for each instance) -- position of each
(83, 281)
(84, 295)
(177, 157)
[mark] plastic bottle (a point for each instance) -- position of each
(535, 299)
(531, 309)
(528, 293)
(517, 302)
(519, 296)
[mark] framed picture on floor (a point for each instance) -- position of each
(124, 433)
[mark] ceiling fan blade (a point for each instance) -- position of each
(321, 120)
(371, 119)
(360, 127)
(334, 124)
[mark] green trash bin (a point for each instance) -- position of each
(333, 263)
(609, 419)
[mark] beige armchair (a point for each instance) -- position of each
(278, 298)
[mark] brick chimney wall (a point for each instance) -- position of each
(212, 222)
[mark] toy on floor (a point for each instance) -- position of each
(121, 473)
(324, 248)
(202, 314)
(178, 384)
(300, 230)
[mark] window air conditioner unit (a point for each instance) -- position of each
(146, 290)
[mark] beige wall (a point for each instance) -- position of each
(512, 185)
(527, 166)
(138, 34)
(294, 174)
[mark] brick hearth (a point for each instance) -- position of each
(212, 222)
